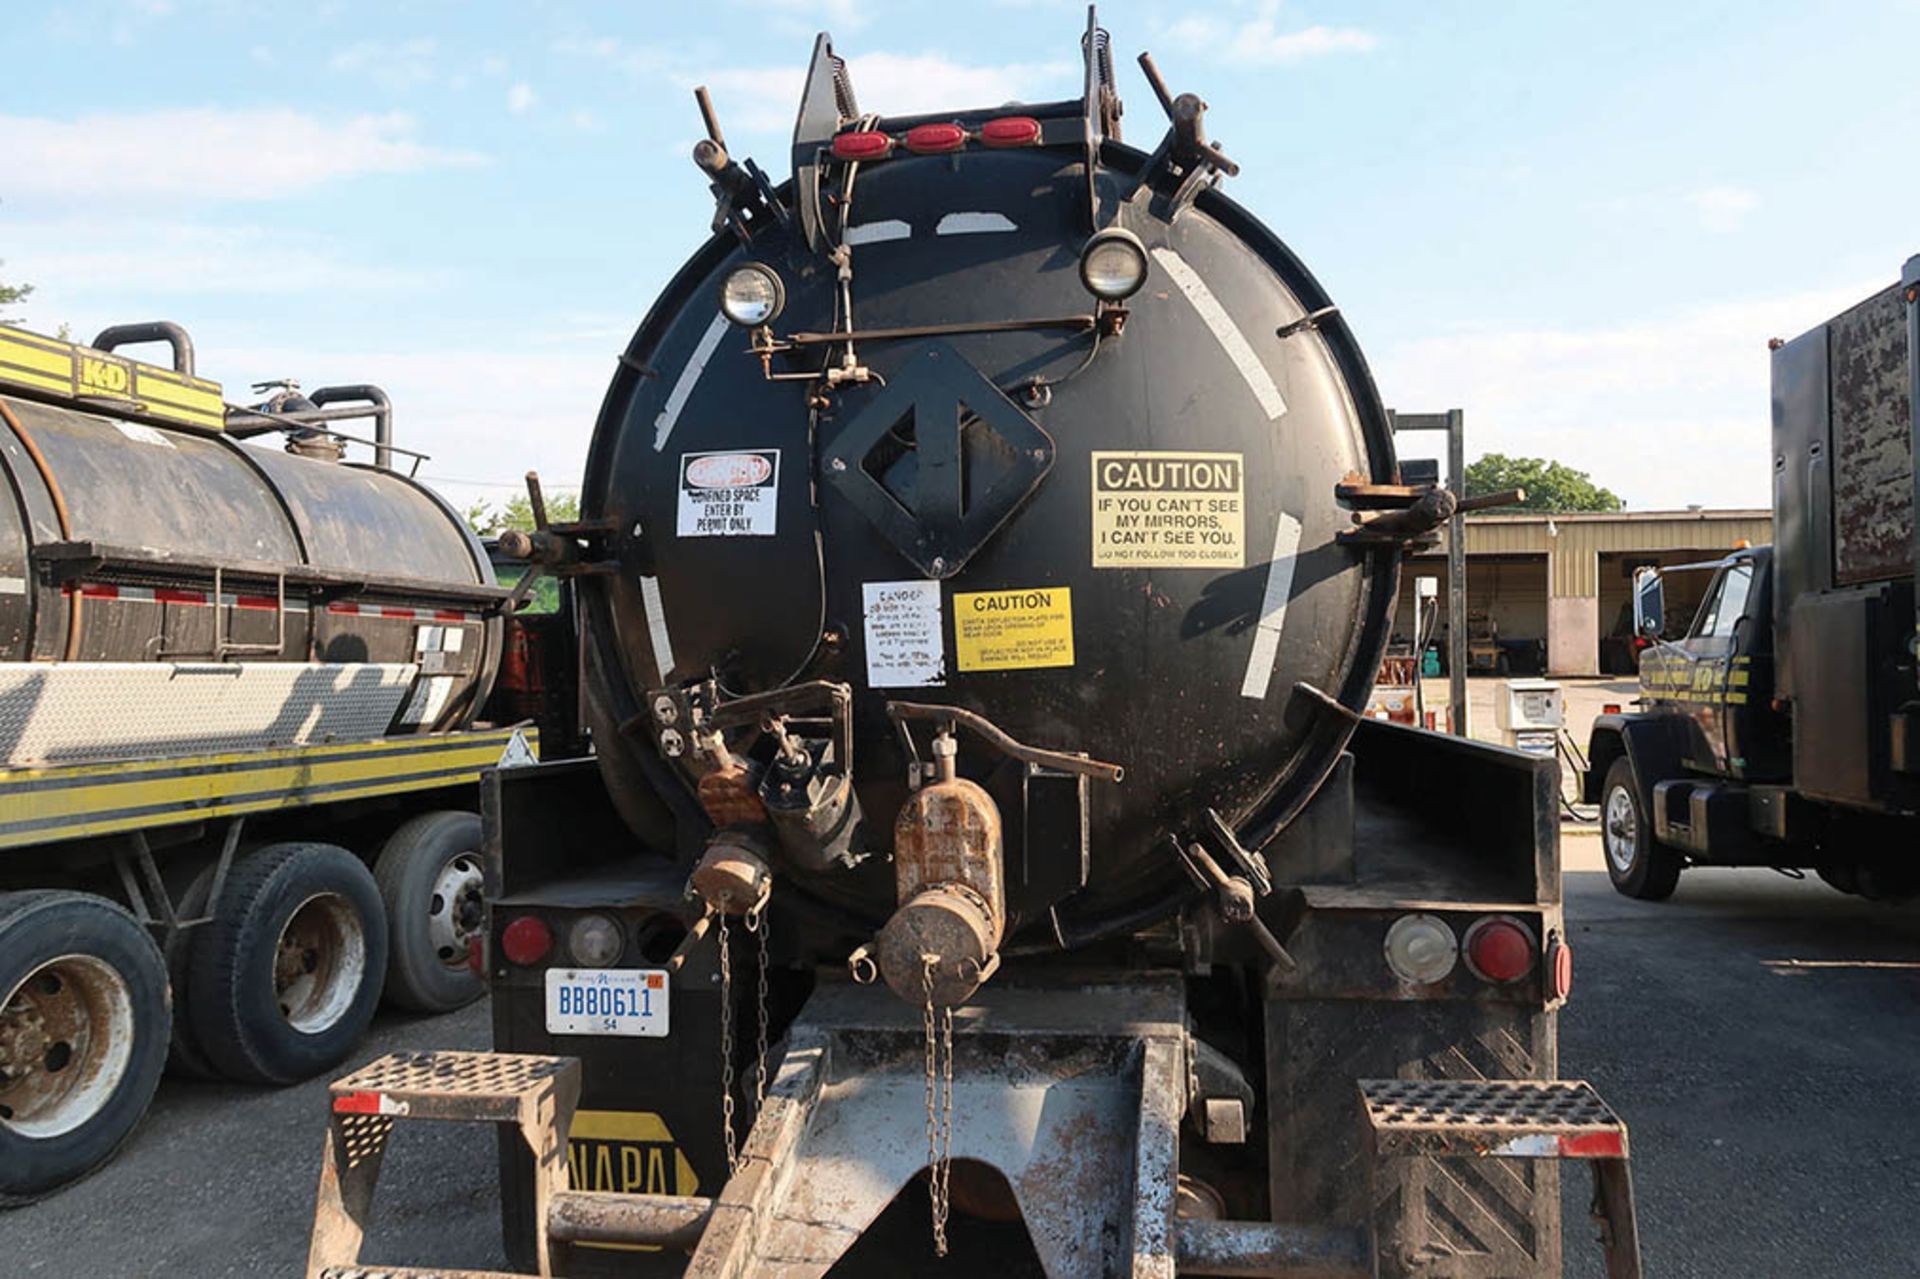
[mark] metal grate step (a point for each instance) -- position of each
(1525, 1118)
(412, 1272)
(448, 1085)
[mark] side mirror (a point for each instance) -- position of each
(1649, 603)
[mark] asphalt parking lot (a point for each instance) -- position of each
(1761, 1035)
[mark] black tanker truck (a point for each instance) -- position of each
(1783, 728)
(987, 545)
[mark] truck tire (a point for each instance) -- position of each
(431, 879)
(1637, 864)
(185, 1060)
(84, 1021)
(286, 975)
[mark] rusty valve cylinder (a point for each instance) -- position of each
(951, 887)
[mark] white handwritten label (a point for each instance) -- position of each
(731, 494)
(905, 647)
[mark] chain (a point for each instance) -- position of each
(939, 1109)
(726, 1049)
(757, 925)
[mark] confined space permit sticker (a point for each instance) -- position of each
(1013, 630)
(1169, 510)
(732, 494)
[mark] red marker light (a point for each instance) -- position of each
(526, 940)
(1499, 950)
(935, 139)
(1010, 131)
(862, 144)
(1560, 969)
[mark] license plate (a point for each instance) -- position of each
(607, 1001)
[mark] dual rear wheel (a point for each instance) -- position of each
(278, 985)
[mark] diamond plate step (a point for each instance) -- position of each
(468, 1086)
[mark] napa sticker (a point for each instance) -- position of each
(732, 494)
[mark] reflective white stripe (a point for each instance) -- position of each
(696, 365)
(974, 224)
(657, 626)
(1224, 330)
(13, 586)
(878, 232)
(1535, 1146)
(1273, 609)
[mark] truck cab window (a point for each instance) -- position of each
(1726, 603)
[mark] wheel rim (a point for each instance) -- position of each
(456, 912)
(1622, 829)
(66, 1036)
(320, 963)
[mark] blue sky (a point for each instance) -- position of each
(1580, 223)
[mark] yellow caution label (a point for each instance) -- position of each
(1169, 510)
(1013, 630)
(626, 1152)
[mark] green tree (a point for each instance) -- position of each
(1550, 486)
(9, 295)
(490, 518)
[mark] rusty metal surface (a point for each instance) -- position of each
(1872, 445)
(589, 1216)
(730, 797)
(947, 837)
(1259, 1248)
(1071, 1108)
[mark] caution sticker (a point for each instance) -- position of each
(1013, 630)
(733, 494)
(1169, 510)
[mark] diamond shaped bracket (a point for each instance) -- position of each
(936, 526)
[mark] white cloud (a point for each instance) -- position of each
(207, 153)
(1259, 39)
(521, 97)
(1667, 410)
(79, 262)
(1723, 209)
(767, 98)
(584, 120)
(487, 416)
(396, 65)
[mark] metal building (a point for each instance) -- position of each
(1551, 593)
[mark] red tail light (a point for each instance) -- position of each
(862, 144)
(1610, 708)
(1010, 131)
(526, 940)
(1499, 949)
(935, 139)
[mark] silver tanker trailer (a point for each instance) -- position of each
(238, 755)
(988, 544)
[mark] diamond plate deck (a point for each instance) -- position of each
(81, 712)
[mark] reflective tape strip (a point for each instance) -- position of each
(974, 224)
(13, 586)
(1273, 609)
(657, 626)
(878, 232)
(1224, 330)
(368, 1103)
(684, 384)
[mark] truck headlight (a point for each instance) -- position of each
(1113, 266)
(752, 295)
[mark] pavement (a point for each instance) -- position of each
(1760, 1035)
